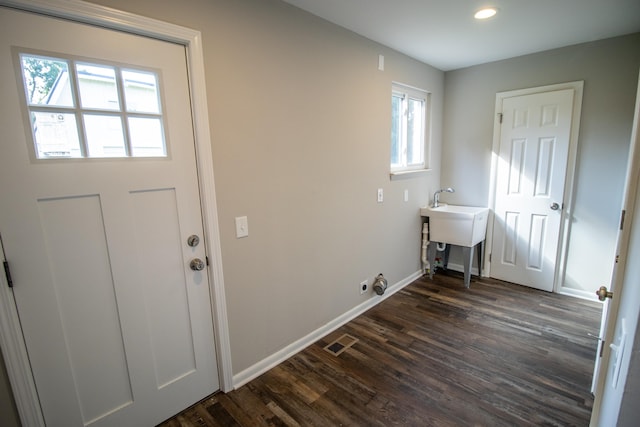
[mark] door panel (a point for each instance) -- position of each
(84, 288)
(165, 286)
(118, 328)
(534, 144)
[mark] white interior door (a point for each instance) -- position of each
(118, 328)
(618, 327)
(532, 161)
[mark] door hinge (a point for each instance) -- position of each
(7, 273)
(500, 117)
(206, 258)
(622, 219)
(490, 258)
(601, 347)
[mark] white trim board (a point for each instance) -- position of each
(280, 356)
(11, 340)
(567, 212)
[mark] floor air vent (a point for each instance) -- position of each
(341, 344)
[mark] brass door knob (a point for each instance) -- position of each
(603, 293)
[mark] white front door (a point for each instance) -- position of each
(117, 325)
(532, 162)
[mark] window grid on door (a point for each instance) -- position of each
(91, 109)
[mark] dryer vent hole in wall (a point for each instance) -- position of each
(341, 344)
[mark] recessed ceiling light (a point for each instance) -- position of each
(485, 13)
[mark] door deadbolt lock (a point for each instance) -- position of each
(193, 240)
(603, 293)
(197, 264)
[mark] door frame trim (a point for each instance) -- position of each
(11, 340)
(567, 211)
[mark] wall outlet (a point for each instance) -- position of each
(364, 287)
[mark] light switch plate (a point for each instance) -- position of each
(380, 195)
(242, 227)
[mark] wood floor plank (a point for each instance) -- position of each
(434, 354)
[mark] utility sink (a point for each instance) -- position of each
(457, 225)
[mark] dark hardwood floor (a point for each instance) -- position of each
(434, 354)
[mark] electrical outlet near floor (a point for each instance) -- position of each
(364, 287)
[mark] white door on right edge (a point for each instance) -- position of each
(534, 146)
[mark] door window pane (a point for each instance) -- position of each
(146, 137)
(98, 88)
(141, 92)
(46, 81)
(55, 134)
(91, 109)
(105, 137)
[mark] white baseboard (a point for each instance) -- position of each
(578, 293)
(280, 356)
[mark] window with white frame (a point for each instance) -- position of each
(409, 128)
(88, 109)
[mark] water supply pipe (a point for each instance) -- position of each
(380, 284)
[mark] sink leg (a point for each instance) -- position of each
(467, 257)
(445, 261)
(479, 248)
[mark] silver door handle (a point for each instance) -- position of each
(197, 264)
(193, 240)
(554, 206)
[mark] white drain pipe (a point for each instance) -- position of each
(425, 245)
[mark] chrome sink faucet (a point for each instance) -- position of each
(436, 195)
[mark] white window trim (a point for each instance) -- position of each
(415, 170)
(11, 340)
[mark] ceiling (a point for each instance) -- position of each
(444, 34)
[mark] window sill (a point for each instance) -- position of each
(408, 174)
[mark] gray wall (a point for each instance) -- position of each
(609, 69)
(300, 123)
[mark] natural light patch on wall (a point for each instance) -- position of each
(86, 109)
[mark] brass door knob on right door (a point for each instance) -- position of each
(603, 293)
